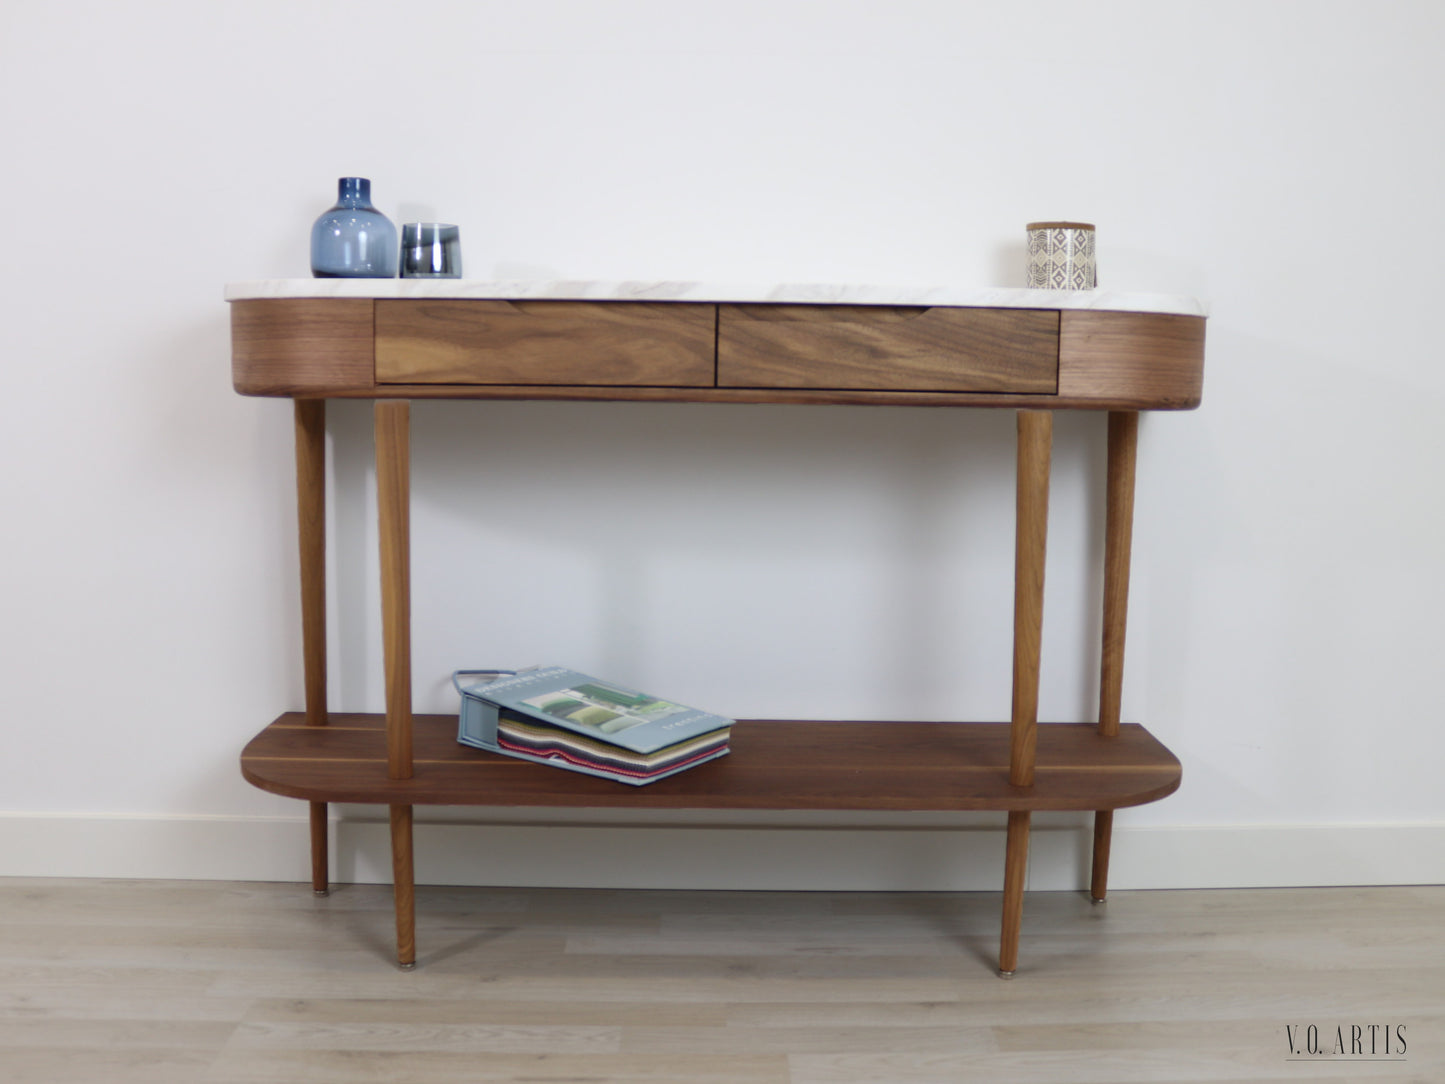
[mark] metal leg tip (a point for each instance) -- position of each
(1005, 974)
(1096, 899)
(408, 966)
(319, 892)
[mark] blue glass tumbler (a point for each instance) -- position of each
(353, 240)
(430, 250)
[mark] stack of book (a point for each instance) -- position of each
(556, 716)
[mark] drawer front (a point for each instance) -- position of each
(545, 342)
(877, 348)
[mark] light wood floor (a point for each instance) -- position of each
(108, 982)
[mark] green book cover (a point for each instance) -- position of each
(600, 710)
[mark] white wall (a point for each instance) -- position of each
(1280, 160)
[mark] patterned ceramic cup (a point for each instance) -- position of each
(1061, 256)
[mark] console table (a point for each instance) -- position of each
(1030, 351)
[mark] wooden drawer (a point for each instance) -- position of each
(877, 348)
(545, 342)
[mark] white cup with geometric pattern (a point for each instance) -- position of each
(1061, 256)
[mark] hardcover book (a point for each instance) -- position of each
(552, 715)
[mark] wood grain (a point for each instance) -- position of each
(310, 425)
(174, 982)
(1035, 442)
(320, 849)
(1140, 361)
(310, 422)
(1015, 872)
(866, 347)
(325, 346)
(302, 346)
(545, 342)
(1118, 544)
(1118, 547)
(774, 765)
(403, 880)
(393, 498)
(1103, 841)
(796, 396)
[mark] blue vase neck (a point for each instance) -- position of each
(353, 192)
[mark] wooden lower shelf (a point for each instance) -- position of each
(774, 765)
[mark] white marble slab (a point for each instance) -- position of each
(705, 292)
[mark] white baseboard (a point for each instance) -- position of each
(965, 857)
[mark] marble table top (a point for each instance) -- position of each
(704, 292)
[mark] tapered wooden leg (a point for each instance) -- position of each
(393, 494)
(1118, 541)
(1103, 836)
(1035, 442)
(393, 468)
(310, 418)
(1016, 864)
(319, 857)
(311, 529)
(403, 879)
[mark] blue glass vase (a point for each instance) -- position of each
(353, 240)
